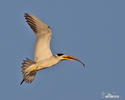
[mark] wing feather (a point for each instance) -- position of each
(43, 33)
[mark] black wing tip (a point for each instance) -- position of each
(25, 14)
(84, 65)
(22, 82)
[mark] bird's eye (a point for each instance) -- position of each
(48, 26)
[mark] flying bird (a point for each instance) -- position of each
(43, 57)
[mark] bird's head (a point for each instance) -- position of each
(67, 57)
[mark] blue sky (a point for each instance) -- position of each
(92, 30)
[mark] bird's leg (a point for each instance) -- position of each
(34, 70)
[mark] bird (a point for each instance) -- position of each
(43, 57)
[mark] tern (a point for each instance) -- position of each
(43, 57)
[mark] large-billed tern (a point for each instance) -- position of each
(43, 57)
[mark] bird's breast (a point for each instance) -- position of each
(48, 62)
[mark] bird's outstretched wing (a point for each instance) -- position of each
(43, 34)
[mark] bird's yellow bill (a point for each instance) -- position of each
(67, 57)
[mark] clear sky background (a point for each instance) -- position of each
(92, 30)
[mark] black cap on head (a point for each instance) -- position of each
(60, 54)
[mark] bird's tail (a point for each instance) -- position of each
(29, 69)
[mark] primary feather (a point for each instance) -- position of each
(28, 71)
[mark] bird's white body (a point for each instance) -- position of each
(48, 62)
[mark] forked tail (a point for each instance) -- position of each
(28, 71)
